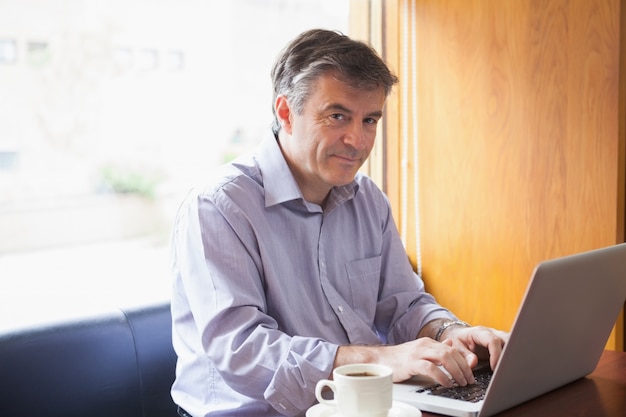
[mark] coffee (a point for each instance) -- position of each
(361, 374)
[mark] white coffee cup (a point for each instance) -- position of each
(360, 390)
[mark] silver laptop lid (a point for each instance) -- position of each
(562, 327)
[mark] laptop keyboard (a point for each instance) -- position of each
(472, 393)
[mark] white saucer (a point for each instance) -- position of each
(398, 409)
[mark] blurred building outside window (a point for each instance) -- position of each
(109, 113)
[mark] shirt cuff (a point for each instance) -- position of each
(292, 390)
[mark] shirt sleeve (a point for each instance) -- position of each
(221, 273)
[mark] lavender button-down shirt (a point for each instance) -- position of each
(268, 285)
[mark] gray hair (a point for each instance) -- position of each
(317, 52)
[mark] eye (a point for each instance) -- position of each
(370, 121)
(337, 116)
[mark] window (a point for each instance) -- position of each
(111, 110)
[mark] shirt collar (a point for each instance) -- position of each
(280, 185)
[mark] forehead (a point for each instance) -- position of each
(330, 89)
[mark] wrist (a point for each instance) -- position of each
(446, 325)
(349, 354)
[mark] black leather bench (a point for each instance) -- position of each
(120, 364)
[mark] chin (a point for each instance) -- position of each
(340, 176)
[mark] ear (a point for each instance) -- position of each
(283, 113)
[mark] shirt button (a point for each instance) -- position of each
(340, 308)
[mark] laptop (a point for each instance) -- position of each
(558, 335)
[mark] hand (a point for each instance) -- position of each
(445, 362)
(440, 361)
(477, 343)
(423, 356)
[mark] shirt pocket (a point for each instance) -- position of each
(364, 278)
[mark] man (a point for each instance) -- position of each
(290, 263)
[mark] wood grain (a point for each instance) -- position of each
(518, 141)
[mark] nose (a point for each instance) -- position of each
(356, 136)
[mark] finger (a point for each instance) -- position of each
(489, 340)
(495, 351)
(457, 365)
(470, 357)
(439, 361)
(459, 372)
(437, 373)
(494, 344)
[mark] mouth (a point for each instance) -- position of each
(348, 159)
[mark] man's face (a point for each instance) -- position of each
(327, 144)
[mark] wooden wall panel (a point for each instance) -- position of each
(519, 142)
